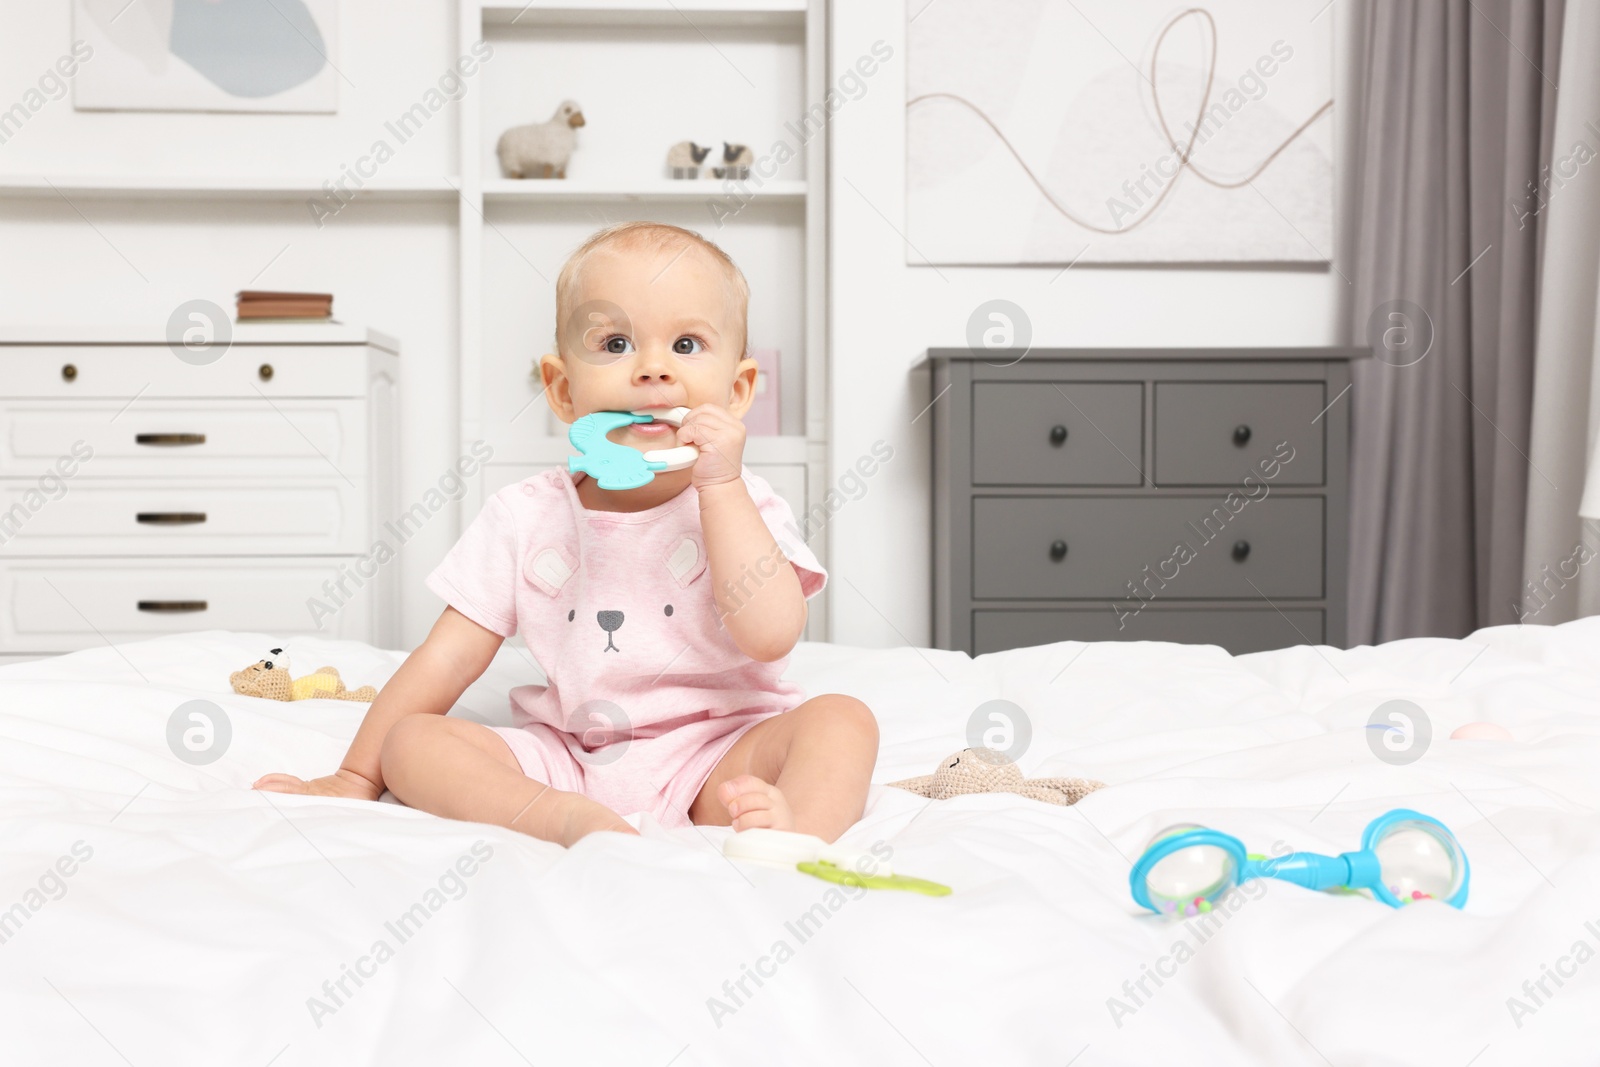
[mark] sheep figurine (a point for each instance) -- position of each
(684, 159)
(736, 162)
(541, 150)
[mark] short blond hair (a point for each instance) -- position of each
(654, 237)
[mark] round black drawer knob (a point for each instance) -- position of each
(1058, 435)
(69, 372)
(1241, 549)
(265, 371)
(1058, 550)
(1241, 435)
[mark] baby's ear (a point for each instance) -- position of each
(557, 389)
(549, 569)
(742, 393)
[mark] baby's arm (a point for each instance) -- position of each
(457, 651)
(757, 591)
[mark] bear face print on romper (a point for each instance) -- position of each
(617, 608)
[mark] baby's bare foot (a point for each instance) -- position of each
(567, 818)
(753, 803)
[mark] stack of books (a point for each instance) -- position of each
(256, 304)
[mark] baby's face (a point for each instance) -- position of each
(650, 330)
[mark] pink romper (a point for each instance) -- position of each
(647, 690)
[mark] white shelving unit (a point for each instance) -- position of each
(744, 71)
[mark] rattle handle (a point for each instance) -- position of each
(1310, 869)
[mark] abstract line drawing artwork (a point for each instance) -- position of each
(207, 55)
(1118, 131)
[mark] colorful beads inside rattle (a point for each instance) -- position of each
(1416, 894)
(1197, 906)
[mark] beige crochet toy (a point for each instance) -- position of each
(269, 679)
(983, 770)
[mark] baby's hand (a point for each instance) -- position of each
(341, 783)
(720, 438)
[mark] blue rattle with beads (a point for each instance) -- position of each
(615, 466)
(1405, 856)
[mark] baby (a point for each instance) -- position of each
(663, 616)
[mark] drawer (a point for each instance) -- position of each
(172, 438)
(1239, 630)
(126, 371)
(1057, 433)
(56, 605)
(1110, 541)
(240, 517)
(1216, 433)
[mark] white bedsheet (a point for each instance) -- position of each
(206, 917)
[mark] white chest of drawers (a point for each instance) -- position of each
(142, 493)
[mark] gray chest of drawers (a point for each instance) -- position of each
(1190, 495)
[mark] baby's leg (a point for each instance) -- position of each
(462, 770)
(806, 770)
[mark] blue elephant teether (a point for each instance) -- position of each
(615, 466)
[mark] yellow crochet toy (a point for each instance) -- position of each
(269, 679)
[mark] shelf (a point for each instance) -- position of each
(511, 190)
(544, 449)
(633, 12)
(173, 187)
(249, 332)
(500, 190)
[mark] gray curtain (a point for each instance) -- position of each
(1454, 107)
(1561, 579)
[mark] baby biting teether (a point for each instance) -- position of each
(615, 466)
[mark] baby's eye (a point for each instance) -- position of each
(688, 346)
(617, 345)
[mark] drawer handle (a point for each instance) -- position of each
(170, 439)
(171, 607)
(1058, 435)
(266, 372)
(170, 518)
(1241, 435)
(69, 371)
(1058, 550)
(1241, 549)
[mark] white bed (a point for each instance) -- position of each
(206, 916)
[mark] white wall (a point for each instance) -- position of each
(389, 265)
(884, 314)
